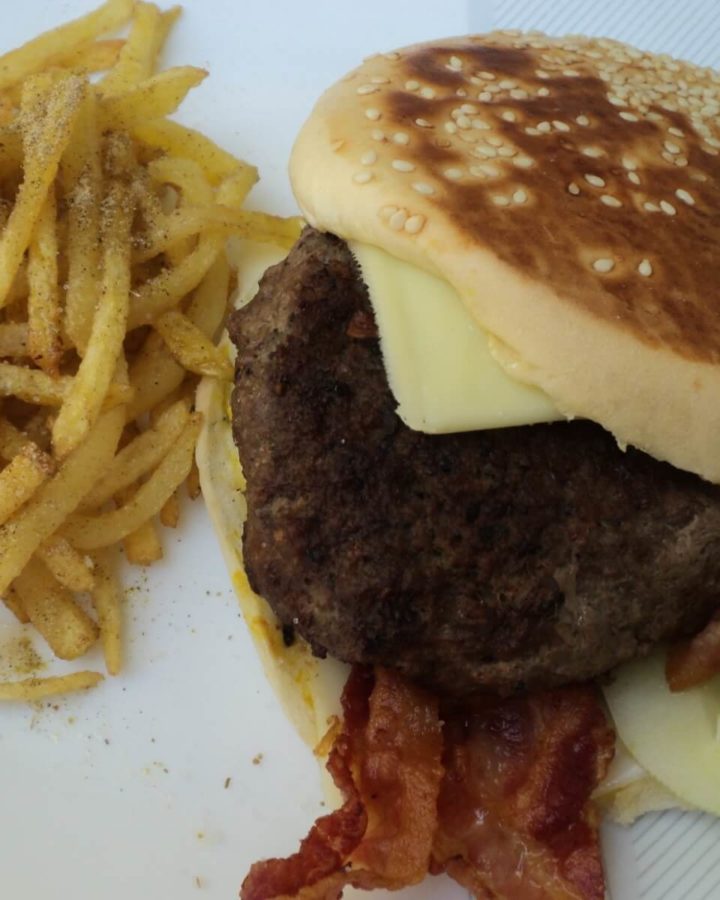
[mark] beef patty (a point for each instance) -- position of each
(519, 557)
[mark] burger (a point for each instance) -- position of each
(477, 416)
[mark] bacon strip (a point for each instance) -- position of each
(514, 815)
(499, 798)
(386, 762)
(696, 661)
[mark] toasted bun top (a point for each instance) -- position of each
(568, 189)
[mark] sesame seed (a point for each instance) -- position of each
(629, 117)
(461, 92)
(570, 73)
(671, 148)
(616, 101)
(398, 219)
(486, 151)
(367, 89)
(544, 127)
(377, 135)
(667, 208)
(427, 92)
(651, 207)
(500, 200)
(542, 74)
(380, 79)
(518, 94)
(583, 120)
(455, 63)
(362, 177)
(506, 151)
(560, 126)
(485, 170)
(422, 187)
(645, 268)
(609, 200)
(450, 127)
(453, 173)
(593, 152)
(681, 161)
(523, 162)
(685, 196)
(573, 188)
(595, 180)
(543, 92)
(603, 264)
(629, 163)
(485, 96)
(402, 165)
(480, 125)
(368, 158)
(486, 76)
(676, 131)
(463, 121)
(372, 114)
(423, 123)
(412, 85)
(508, 116)
(519, 196)
(400, 137)
(532, 131)
(387, 211)
(507, 84)
(634, 177)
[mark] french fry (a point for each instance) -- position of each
(12, 440)
(14, 604)
(86, 395)
(34, 386)
(170, 512)
(13, 339)
(208, 303)
(192, 482)
(44, 341)
(33, 689)
(156, 370)
(21, 478)
(137, 59)
(191, 348)
(185, 174)
(140, 456)
(91, 532)
(46, 49)
(177, 140)
(159, 95)
(58, 497)
(143, 546)
(107, 599)
(81, 173)
(95, 56)
(66, 627)
(66, 564)
(169, 287)
(48, 111)
(191, 220)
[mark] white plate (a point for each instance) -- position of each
(169, 780)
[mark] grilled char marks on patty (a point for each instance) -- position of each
(520, 557)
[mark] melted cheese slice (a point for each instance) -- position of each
(674, 737)
(438, 359)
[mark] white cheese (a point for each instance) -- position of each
(439, 364)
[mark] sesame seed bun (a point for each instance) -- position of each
(568, 189)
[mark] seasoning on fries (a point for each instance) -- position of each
(114, 282)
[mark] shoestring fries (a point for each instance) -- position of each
(114, 283)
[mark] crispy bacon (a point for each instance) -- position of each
(386, 762)
(694, 662)
(498, 798)
(514, 815)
